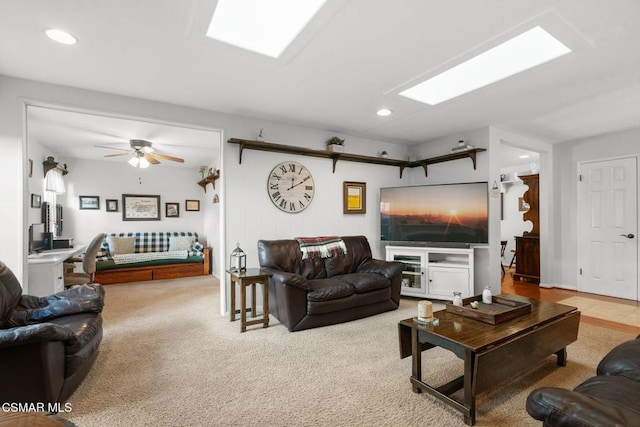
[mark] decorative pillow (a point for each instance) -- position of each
(180, 243)
(197, 247)
(121, 245)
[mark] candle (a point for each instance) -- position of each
(425, 310)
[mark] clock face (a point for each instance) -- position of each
(290, 187)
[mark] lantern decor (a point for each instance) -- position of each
(238, 260)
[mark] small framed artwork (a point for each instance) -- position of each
(30, 168)
(522, 205)
(354, 197)
(112, 205)
(137, 207)
(172, 210)
(36, 201)
(89, 202)
(192, 205)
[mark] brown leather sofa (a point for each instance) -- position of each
(309, 293)
(47, 344)
(611, 398)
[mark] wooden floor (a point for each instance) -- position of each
(532, 290)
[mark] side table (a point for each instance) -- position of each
(250, 277)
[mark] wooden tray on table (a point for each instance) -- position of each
(500, 310)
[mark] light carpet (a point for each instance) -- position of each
(169, 359)
(606, 310)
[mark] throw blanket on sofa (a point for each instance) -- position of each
(321, 247)
(148, 256)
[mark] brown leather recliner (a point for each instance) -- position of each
(309, 293)
(611, 398)
(47, 344)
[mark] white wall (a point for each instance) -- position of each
(37, 153)
(110, 180)
(567, 156)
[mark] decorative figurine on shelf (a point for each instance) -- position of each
(201, 170)
(260, 136)
(384, 154)
(238, 260)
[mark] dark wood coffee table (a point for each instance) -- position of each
(491, 353)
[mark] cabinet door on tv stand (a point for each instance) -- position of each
(413, 276)
(444, 281)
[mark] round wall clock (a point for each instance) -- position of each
(290, 187)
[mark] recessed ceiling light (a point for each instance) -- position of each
(265, 27)
(529, 49)
(60, 36)
(384, 112)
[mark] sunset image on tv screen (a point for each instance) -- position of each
(456, 213)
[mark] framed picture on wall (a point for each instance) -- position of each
(140, 207)
(112, 205)
(192, 205)
(354, 197)
(172, 210)
(89, 202)
(36, 201)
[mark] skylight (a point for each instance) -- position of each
(265, 27)
(518, 54)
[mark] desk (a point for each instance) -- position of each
(46, 271)
(250, 277)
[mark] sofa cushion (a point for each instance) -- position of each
(121, 245)
(148, 241)
(329, 289)
(180, 243)
(350, 302)
(365, 282)
(623, 360)
(358, 252)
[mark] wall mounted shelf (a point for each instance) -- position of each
(334, 156)
(50, 163)
(209, 179)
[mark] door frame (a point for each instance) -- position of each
(580, 205)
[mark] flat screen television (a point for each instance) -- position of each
(37, 238)
(455, 214)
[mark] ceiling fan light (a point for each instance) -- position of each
(134, 162)
(144, 163)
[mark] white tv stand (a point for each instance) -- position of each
(434, 272)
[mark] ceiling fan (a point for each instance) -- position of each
(143, 154)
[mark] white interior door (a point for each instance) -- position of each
(608, 228)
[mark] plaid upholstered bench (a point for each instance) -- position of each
(133, 257)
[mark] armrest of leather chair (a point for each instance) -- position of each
(623, 360)
(388, 269)
(283, 278)
(31, 310)
(560, 407)
(30, 334)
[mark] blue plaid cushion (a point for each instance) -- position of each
(150, 241)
